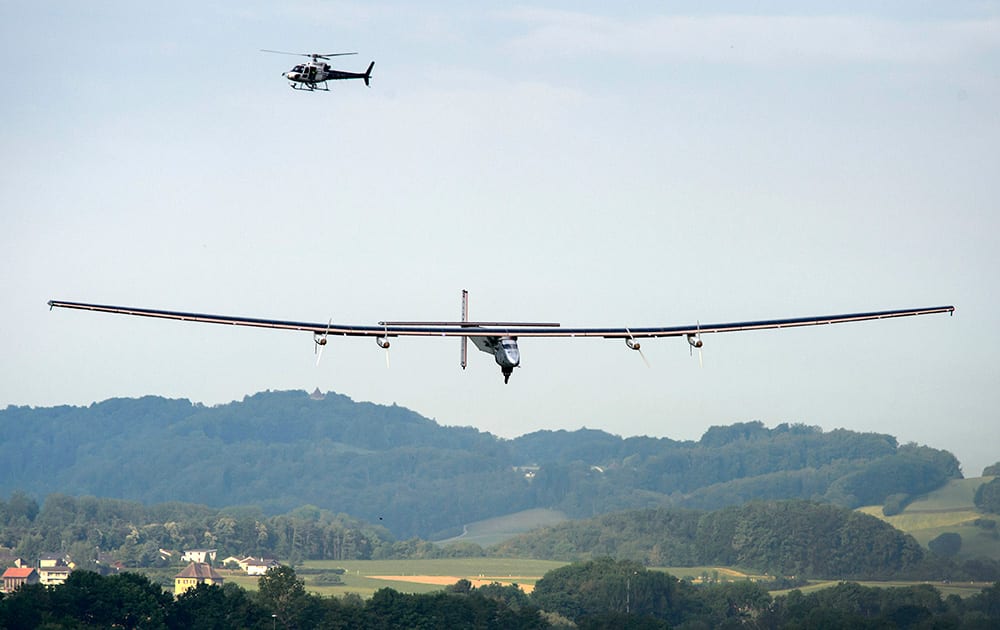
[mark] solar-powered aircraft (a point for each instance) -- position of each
(500, 338)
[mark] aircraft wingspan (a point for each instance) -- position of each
(471, 329)
(793, 322)
(329, 328)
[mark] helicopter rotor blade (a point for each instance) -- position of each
(313, 55)
(283, 52)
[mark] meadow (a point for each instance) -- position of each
(496, 530)
(949, 509)
(364, 577)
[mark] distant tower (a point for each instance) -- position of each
(317, 395)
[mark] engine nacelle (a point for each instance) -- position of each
(695, 341)
(382, 342)
(632, 343)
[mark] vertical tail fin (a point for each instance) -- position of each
(368, 74)
(465, 318)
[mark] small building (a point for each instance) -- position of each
(230, 561)
(194, 574)
(51, 560)
(15, 577)
(199, 555)
(52, 576)
(259, 566)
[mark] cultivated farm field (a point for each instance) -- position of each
(364, 577)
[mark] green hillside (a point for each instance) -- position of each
(495, 530)
(782, 538)
(949, 509)
(391, 466)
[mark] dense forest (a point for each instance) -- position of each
(279, 451)
(597, 594)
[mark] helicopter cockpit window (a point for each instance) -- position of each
(297, 69)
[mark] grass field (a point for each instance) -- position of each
(496, 530)
(364, 577)
(949, 509)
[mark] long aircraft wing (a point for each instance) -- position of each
(499, 329)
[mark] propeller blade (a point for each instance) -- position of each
(644, 359)
(701, 360)
(319, 342)
(635, 345)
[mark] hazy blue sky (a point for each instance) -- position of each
(564, 161)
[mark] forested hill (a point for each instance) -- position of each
(391, 466)
(777, 537)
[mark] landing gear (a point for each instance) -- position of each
(311, 87)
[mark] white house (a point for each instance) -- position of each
(259, 566)
(199, 555)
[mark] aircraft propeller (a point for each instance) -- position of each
(635, 345)
(383, 342)
(694, 341)
(319, 342)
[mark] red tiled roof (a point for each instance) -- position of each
(15, 572)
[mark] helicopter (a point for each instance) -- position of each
(313, 75)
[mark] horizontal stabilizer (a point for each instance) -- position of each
(477, 324)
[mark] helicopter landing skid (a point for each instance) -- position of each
(310, 87)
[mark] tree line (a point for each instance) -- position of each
(389, 465)
(600, 593)
(782, 538)
(795, 538)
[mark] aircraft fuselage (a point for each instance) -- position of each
(504, 351)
